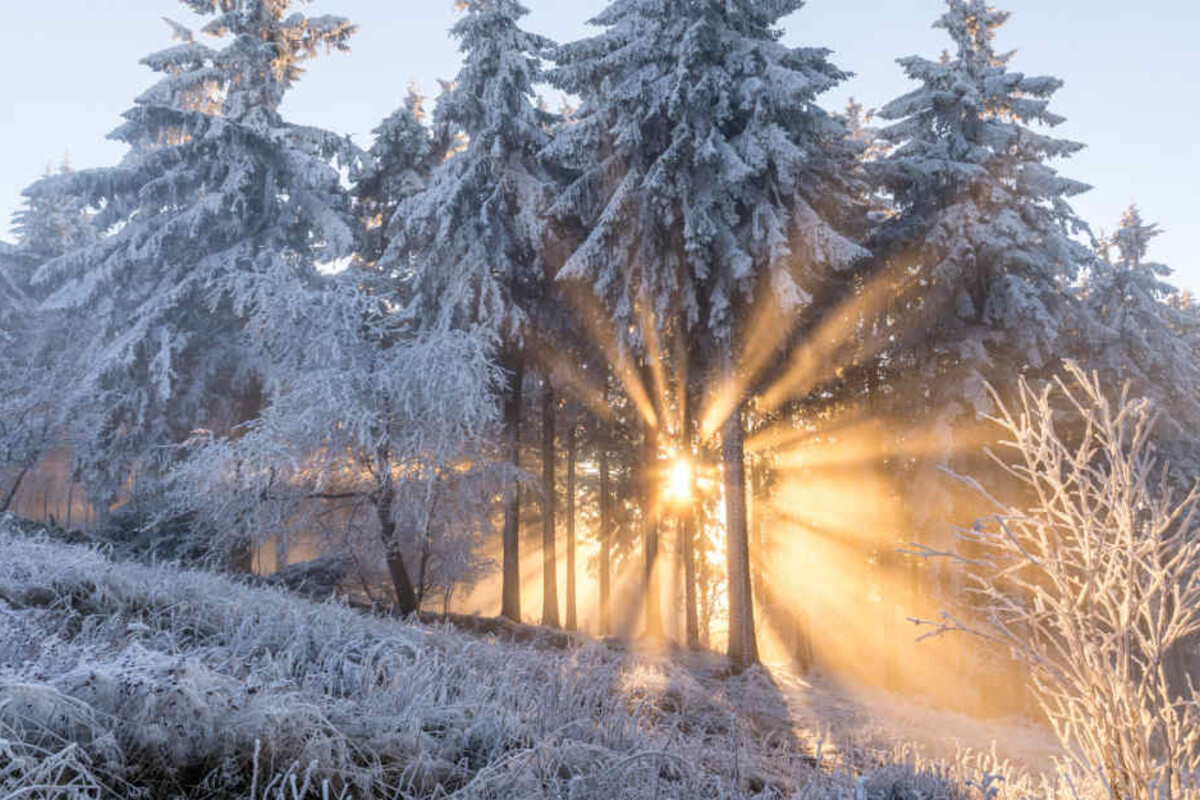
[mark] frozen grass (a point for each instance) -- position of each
(125, 680)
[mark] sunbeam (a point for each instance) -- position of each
(769, 327)
(596, 322)
(572, 378)
(832, 346)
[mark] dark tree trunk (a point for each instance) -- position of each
(406, 598)
(687, 532)
(572, 622)
(240, 558)
(687, 536)
(426, 549)
(704, 590)
(650, 591)
(16, 487)
(757, 544)
(422, 570)
(743, 648)
(511, 592)
(549, 554)
(605, 533)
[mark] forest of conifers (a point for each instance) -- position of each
(691, 357)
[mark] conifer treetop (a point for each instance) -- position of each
(216, 192)
(268, 50)
(701, 164)
(476, 231)
(977, 201)
(1143, 331)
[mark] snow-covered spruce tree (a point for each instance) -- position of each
(12, 299)
(979, 246)
(18, 450)
(48, 227)
(25, 421)
(1138, 336)
(368, 413)
(395, 168)
(216, 191)
(704, 174)
(981, 220)
(475, 232)
(1186, 319)
(40, 345)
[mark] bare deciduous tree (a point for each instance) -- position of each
(1093, 584)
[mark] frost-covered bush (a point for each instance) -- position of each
(1092, 582)
(374, 441)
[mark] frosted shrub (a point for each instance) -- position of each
(1093, 585)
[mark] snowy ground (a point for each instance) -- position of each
(122, 680)
(883, 721)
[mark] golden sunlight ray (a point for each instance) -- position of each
(823, 353)
(595, 322)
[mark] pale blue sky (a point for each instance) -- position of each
(70, 67)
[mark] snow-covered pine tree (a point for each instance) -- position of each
(23, 419)
(705, 175)
(475, 227)
(475, 232)
(216, 190)
(12, 299)
(979, 249)
(48, 227)
(1187, 317)
(38, 345)
(15, 307)
(980, 217)
(12, 303)
(395, 168)
(1139, 336)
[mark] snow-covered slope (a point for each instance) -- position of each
(124, 680)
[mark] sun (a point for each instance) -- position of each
(679, 483)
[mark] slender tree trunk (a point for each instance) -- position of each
(605, 533)
(757, 544)
(422, 570)
(549, 554)
(406, 598)
(426, 543)
(511, 590)
(704, 589)
(16, 487)
(676, 600)
(572, 620)
(650, 589)
(687, 532)
(281, 551)
(743, 648)
(687, 536)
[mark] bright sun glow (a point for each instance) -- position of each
(679, 481)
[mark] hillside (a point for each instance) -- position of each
(123, 680)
